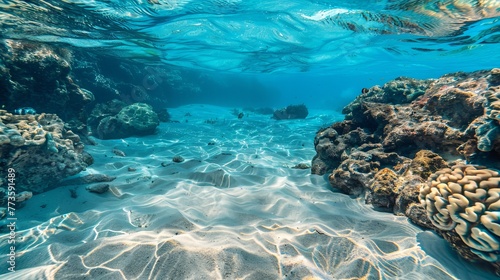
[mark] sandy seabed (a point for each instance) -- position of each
(234, 209)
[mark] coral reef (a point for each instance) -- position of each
(136, 119)
(70, 83)
(466, 199)
(291, 112)
(38, 75)
(395, 136)
(456, 116)
(40, 149)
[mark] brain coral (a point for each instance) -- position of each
(466, 198)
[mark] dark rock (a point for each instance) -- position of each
(39, 76)
(100, 188)
(177, 159)
(291, 112)
(163, 115)
(119, 153)
(87, 179)
(301, 166)
(384, 188)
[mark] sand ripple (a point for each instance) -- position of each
(232, 210)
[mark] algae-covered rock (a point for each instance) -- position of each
(137, 119)
(384, 188)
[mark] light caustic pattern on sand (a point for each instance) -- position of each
(231, 210)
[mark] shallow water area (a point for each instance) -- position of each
(234, 208)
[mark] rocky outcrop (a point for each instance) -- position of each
(395, 136)
(40, 150)
(38, 76)
(455, 116)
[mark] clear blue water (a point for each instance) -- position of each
(261, 53)
(307, 51)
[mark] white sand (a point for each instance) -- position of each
(232, 210)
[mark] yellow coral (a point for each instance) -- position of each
(466, 198)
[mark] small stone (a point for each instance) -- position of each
(100, 188)
(177, 159)
(302, 166)
(132, 169)
(119, 153)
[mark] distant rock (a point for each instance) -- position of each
(102, 110)
(291, 112)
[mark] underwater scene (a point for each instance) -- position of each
(231, 139)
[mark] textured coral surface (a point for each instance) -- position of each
(466, 199)
(455, 115)
(395, 136)
(40, 149)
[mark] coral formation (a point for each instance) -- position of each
(291, 112)
(454, 117)
(40, 149)
(466, 199)
(395, 136)
(384, 188)
(87, 179)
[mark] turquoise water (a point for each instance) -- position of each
(316, 52)
(235, 209)
(327, 37)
